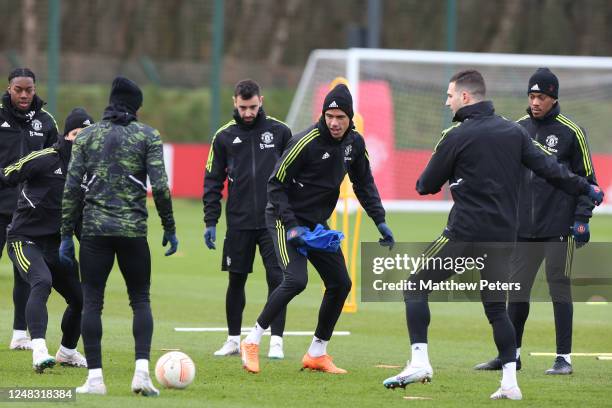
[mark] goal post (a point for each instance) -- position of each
(401, 94)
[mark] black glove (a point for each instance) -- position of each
(581, 233)
(596, 194)
(387, 236)
(66, 251)
(294, 236)
(170, 237)
(210, 236)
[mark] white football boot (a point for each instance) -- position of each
(41, 360)
(92, 386)
(513, 393)
(410, 374)
(22, 343)
(142, 384)
(74, 360)
(276, 348)
(229, 348)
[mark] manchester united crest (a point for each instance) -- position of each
(551, 140)
(36, 125)
(267, 137)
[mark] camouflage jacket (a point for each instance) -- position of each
(111, 164)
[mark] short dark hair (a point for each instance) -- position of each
(22, 72)
(246, 89)
(470, 80)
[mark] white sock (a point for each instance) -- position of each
(420, 357)
(235, 339)
(142, 365)
(318, 347)
(518, 352)
(95, 375)
(567, 357)
(66, 351)
(39, 345)
(254, 337)
(509, 376)
(276, 340)
(19, 334)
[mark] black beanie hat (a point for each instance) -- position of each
(78, 118)
(339, 98)
(126, 93)
(544, 81)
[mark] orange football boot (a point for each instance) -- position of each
(249, 353)
(323, 363)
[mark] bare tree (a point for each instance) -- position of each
(502, 41)
(30, 34)
(242, 21)
(281, 35)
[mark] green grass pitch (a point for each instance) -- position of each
(188, 290)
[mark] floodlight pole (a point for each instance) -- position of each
(451, 25)
(451, 45)
(374, 18)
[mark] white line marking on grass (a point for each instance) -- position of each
(247, 331)
(573, 354)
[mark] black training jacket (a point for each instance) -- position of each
(545, 211)
(305, 185)
(482, 157)
(245, 155)
(20, 134)
(41, 175)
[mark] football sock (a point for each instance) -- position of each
(509, 376)
(142, 365)
(254, 336)
(38, 345)
(318, 347)
(567, 357)
(95, 375)
(19, 334)
(420, 357)
(66, 351)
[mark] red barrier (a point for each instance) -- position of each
(189, 162)
(403, 167)
(602, 163)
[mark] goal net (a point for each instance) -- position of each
(401, 96)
